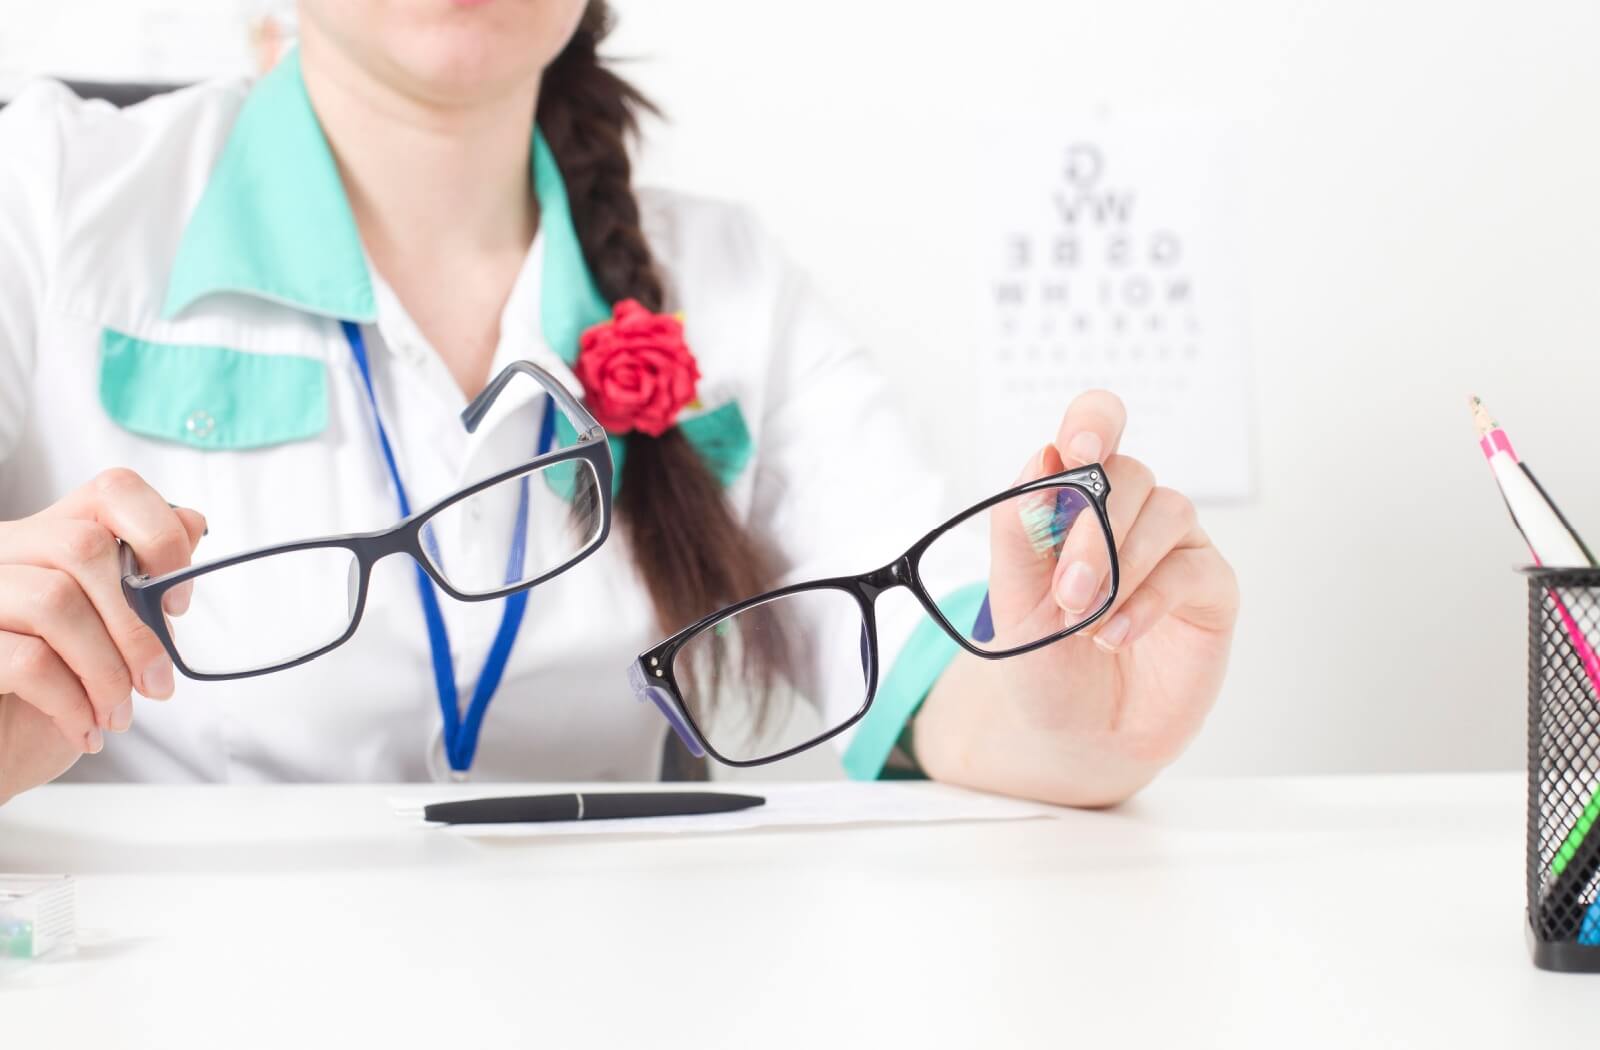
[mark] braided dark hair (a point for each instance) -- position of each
(693, 554)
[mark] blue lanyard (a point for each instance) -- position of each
(460, 734)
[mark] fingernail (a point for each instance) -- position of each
(1076, 588)
(158, 679)
(205, 528)
(121, 716)
(1086, 447)
(1113, 634)
(93, 741)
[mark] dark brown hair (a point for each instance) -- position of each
(694, 555)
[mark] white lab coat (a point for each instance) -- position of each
(93, 203)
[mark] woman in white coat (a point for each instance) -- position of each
(211, 303)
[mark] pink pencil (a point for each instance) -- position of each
(1551, 541)
(1555, 544)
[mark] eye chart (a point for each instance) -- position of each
(1107, 253)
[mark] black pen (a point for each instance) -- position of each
(606, 805)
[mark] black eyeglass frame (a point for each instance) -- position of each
(653, 675)
(144, 593)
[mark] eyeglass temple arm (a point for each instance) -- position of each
(128, 562)
(133, 592)
(571, 407)
(644, 690)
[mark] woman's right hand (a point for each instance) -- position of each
(71, 650)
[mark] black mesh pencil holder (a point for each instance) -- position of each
(1564, 768)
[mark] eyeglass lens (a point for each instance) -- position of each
(268, 611)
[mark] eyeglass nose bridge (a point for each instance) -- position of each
(896, 574)
(400, 541)
(409, 541)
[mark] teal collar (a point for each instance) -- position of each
(274, 222)
(569, 300)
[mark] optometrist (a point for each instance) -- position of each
(223, 309)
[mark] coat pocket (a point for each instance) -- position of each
(211, 397)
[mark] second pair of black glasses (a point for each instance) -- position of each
(995, 578)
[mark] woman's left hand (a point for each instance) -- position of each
(1091, 719)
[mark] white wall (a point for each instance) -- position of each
(161, 40)
(1422, 222)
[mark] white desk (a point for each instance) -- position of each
(1331, 912)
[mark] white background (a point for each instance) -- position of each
(1421, 220)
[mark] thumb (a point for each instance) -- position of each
(194, 523)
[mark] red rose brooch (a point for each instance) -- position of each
(637, 372)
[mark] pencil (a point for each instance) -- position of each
(1551, 540)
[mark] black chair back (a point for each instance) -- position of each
(117, 94)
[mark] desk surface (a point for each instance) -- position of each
(1353, 911)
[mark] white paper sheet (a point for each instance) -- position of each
(788, 805)
(1108, 256)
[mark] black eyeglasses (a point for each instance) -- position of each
(818, 641)
(305, 598)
